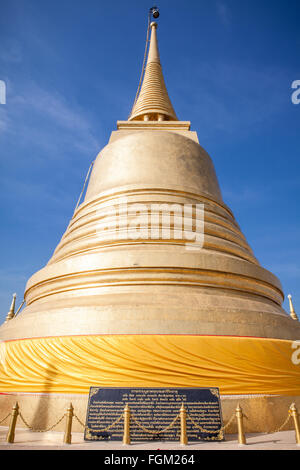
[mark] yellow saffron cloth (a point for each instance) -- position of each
(72, 364)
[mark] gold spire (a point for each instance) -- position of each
(11, 312)
(153, 102)
(292, 310)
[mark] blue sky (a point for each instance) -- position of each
(72, 69)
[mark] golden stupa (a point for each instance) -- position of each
(111, 309)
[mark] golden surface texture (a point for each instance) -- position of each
(101, 281)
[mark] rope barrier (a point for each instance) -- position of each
(105, 429)
(79, 421)
(229, 422)
(155, 432)
(282, 426)
(183, 416)
(5, 418)
(86, 180)
(207, 430)
(41, 430)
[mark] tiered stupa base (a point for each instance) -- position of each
(113, 310)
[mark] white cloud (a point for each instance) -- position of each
(224, 13)
(47, 119)
(234, 98)
(16, 275)
(11, 51)
(54, 106)
(287, 270)
(4, 119)
(250, 195)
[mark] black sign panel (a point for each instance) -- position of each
(152, 412)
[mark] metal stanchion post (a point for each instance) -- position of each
(126, 436)
(240, 424)
(12, 425)
(295, 416)
(68, 431)
(183, 434)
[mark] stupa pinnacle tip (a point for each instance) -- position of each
(154, 11)
(152, 102)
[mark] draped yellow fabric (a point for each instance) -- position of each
(237, 365)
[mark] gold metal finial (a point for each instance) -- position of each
(152, 99)
(292, 310)
(11, 312)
